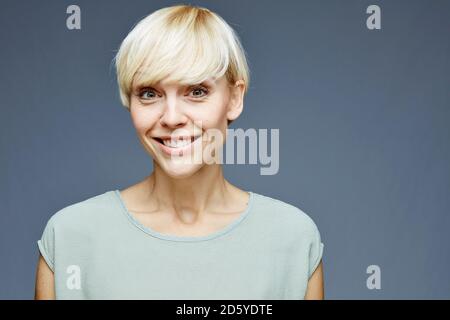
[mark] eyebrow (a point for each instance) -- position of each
(145, 84)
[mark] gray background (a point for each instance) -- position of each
(363, 116)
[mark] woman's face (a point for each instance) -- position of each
(194, 116)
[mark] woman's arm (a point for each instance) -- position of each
(315, 290)
(45, 283)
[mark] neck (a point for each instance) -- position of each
(189, 197)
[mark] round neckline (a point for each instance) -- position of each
(228, 228)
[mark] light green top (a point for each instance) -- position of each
(98, 250)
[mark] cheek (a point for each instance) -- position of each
(212, 116)
(142, 119)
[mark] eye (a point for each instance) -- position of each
(199, 92)
(147, 94)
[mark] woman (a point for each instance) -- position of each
(183, 232)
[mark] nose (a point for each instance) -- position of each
(172, 116)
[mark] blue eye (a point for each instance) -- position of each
(143, 94)
(149, 93)
(199, 89)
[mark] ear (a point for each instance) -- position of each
(236, 103)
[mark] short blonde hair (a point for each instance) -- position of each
(181, 43)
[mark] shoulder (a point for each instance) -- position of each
(285, 217)
(89, 211)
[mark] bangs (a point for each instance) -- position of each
(187, 54)
(179, 44)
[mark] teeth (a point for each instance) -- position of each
(177, 143)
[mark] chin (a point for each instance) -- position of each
(180, 170)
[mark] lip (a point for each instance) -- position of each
(174, 138)
(178, 151)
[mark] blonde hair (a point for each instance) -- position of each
(181, 43)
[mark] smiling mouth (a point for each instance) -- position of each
(176, 143)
